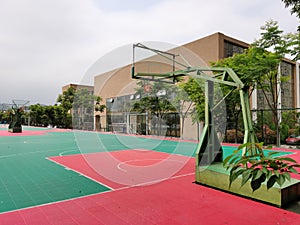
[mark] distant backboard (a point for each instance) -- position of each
(19, 103)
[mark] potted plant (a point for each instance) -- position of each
(251, 163)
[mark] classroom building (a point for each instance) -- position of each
(118, 89)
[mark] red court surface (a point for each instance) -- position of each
(5, 133)
(26, 132)
(125, 168)
(174, 200)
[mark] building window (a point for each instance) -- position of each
(286, 85)
(230, 49)
(121, 118)
(286, 90)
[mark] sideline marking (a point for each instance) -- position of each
(55, 202)
(61, 154)
(91, 195)
(82, 174)
(155, 181)
(26, 153)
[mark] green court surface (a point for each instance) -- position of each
(28, 178)
(227, 150)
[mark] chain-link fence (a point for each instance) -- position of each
(265, 126)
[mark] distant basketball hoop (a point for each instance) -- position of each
(15, 125)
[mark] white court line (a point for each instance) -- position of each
(82, 174)
(155, 181)
(52, 203)
(22, 154)
(139, 160)
(62, 153)
(94, 194)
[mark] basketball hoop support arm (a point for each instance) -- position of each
(208, 138)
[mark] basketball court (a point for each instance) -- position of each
(52, 176)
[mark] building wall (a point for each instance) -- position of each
(211, 48)
(78, 87)
(199, 53)
(82, 116)
(297, 85)
(206, 48)
(112, 84)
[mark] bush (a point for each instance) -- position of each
(268, 136)
(257, 167)
(231, 136)
(284, 132)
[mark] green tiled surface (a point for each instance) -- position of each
(28, 178)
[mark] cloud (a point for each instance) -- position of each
(47, 44)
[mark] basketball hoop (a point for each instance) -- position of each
(15, 125)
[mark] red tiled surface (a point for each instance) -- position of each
(174, 201)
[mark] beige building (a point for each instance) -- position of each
(117, 86)
(79, 87)
(83, 108)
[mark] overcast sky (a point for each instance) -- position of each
(46, 44)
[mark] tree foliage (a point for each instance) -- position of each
(157, 101)
(155, 98)
(4, 116)
(195, 91)
(98, 106)
(294, 5)
(293, 40)
(60, 114)
(251, 66)
(41, 115)
(258, 66)
(183, 104)
(273, 39)
(66, 98)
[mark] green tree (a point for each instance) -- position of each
(156, 101)
(41, 115)
(83, 109)
(4, 116)
(183, 104)
(76, 108)
(62, 119)
(37, 112)
(233, 111)
(295, 8)
(256, 68)
(66, 98)
(194, 89)
(81, 102)
(293, 40)
(273, 39)
(98, 106)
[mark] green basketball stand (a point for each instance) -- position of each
(15, 125)
(209, 168)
